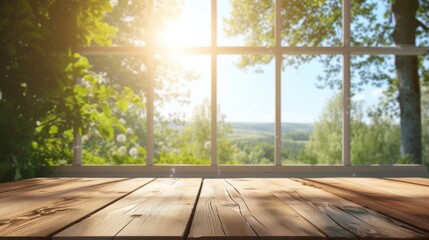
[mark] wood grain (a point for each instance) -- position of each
(159, 210)
(28, 183)
(402, 208)
(419, 194)
(417, 181)
(218, 216)
(258, 208)
(24, 200)
(59, 207)
(335, 216)
(214, 209)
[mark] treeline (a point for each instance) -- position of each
(375, 139)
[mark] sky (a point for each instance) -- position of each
(247, 96)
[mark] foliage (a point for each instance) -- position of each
(375, 137)
(130, 18)
(324, 146)
(190, 143)
(40, 104)
(318, 23)
(128, 145)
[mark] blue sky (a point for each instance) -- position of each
(246, 96)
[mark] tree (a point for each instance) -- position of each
(190, 142)
(130, 19)
(375, 137)
(324, 145)
(40, 103)
(318, 23)
(406, 25)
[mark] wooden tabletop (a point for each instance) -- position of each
(258, 208)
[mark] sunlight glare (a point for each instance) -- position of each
(190, 28)
(177, 35)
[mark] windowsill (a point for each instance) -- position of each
(233, 171)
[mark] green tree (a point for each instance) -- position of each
(39, 100)
(375, 137)
(318, 23)
(130, 19)
(190, 143)
(324, 146)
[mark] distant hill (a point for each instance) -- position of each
(246, 131)
(269, 127)
(250, 132)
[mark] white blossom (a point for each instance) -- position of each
(134, 152)
(122, 150)
(207, 145)
(121, 120)
(62, 162)
(85, 138)
(130, 131)
(121, 138)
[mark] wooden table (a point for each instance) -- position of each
(146, 208)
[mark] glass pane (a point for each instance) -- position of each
(373, 23)
(129, 17)
(182, 110)
(379, 118)
(120, 139)
(245, 23)
(176, 23)
(424, 75)
(182, 23)
(311, 23)
(245, 113)
(312, 110)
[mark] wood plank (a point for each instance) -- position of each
(420, 194)
(417, 181)
(335, 216)
(27, 183)
(395, 206)
(159, 210)
(24, 200)
(218, 216)
(261, 210)
(57, 211)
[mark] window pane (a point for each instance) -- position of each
(245, 23)
(182, 23)
(424, 75)
(373, 23)
(312, 110)
(245, 112)
(311, 23)
(182, 110)
(368, 26)
(176, 23)
(120, 90)
(129, 17)
(376, 115)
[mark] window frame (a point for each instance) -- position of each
(346, 50)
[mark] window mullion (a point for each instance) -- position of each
(214, 83)
(346, 83)
(150, 89)
(77, 137)
(278, 59)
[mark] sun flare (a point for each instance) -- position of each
(177, 34)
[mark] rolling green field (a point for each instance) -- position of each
(257, 132)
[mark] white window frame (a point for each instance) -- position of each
(346, 50)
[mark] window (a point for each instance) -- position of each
(277, 87)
